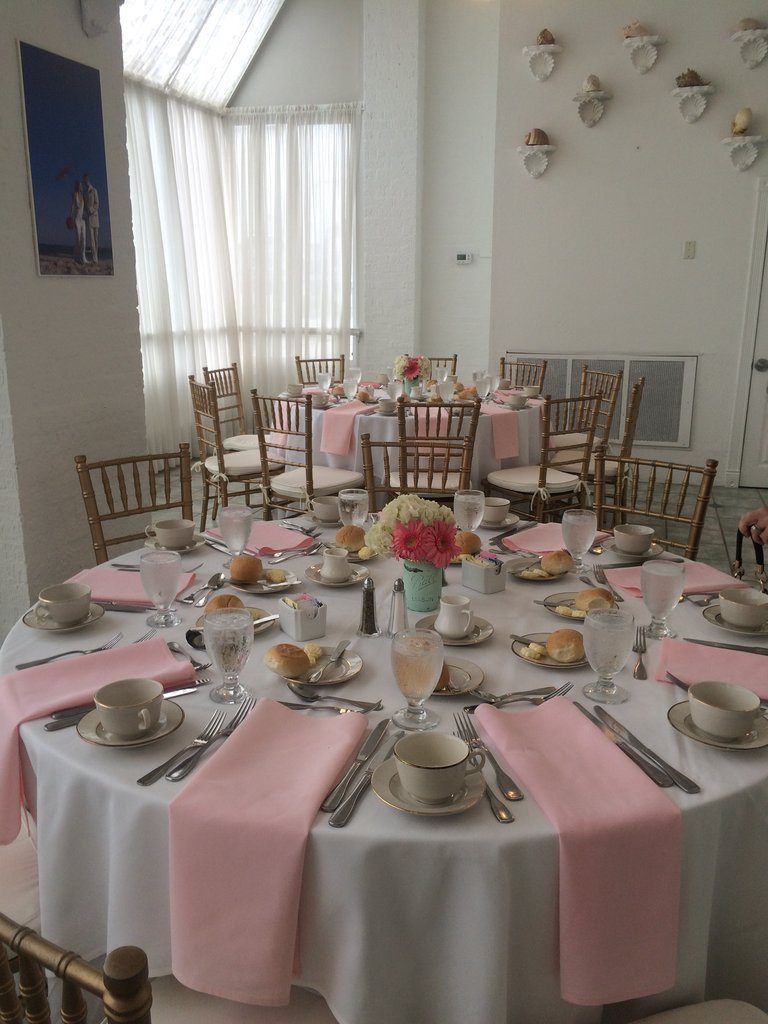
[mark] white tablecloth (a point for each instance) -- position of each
(408, 919)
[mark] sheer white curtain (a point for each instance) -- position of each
(244, 225)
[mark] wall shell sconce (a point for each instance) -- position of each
(541, 57)
(642, 46)
(692, 95)
(535, 152)
(591, 101)
(744, 149)
(752, 39)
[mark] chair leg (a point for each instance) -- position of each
(206, 501)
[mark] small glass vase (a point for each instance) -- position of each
(409, 385)
(423, 585)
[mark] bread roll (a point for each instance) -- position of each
(287, 660)
(469, 543)
(223, 601)
(351, 537)
(443, 683)
(364, 396)
(566, 646)
(556, 563)
(246, 569)
(338, 390)
(595, 597)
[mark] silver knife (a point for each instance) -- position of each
(727, 647)
(651, 770)
(119, 606)
(343, 813)
(680, 780)
(368, 747)
(66, 719)
(637, 561)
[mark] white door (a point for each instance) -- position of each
(754, 460)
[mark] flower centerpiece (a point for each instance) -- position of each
(423, 534)
(411, 370)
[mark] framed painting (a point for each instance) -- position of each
(67, 165)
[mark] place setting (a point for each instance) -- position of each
(130, 713)
(63, 608)
(739, 611)
(173, 535)
(335, 569)
(313, 664)
(722, 715)
(496, 515)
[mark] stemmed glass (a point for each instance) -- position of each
(661, 584)
(441, 374)
(228, 638)
(468, 509)
(160, 573)
(608, 637)
(323, 381)
(483, 385)
(350, 388)
(355, 373)
(235, 526)
(353, 506)
(395, 389)
(445, 390)
(579, 527)
(417, 661)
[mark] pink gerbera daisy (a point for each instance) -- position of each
(439, 543)
(408, 540)
(412, 368)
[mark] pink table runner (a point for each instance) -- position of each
(699, 579)
(113, 585)
(35, 692)
(238, 831)
(540, 539)
(267, 538)
(620, 851)
(504, 431)
(339, 425)
(695, 663)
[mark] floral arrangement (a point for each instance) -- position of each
(414, 528)
(411, 367)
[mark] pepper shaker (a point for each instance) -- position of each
(398, 614)
(368, 625)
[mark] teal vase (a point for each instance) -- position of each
(423, 583)
(408, 385)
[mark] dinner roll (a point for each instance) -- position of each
(566, 645)
(469, 543)
(223, 601)
(350, 537)
(246, 569)
(594, 597)
(287, 660)
(443, 683)
(556, 563)
(364, 396)
(338, 390)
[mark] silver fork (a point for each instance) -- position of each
(185, 766)
(516, 698)
(500, 810)
(145, 636)
(507, 785)
(177, 649)
(283, 556)
(640, 647)
(52, 657)
(602, 579)
(204, 737)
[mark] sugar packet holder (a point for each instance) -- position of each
(302, 618)
(483, 573)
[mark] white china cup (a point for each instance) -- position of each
(455, 618)
(433, 766)
(326, 509)
(515, 401)
(496, 510)
(531, 390)
(336, 567)
(747, 608)
(319, 400)
(723, 710)
(129, 708)
(387, 406)
(173, 534)
(295, 390)
(632, 538)
(65, 603)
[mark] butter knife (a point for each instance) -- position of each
(368, 748)
(119, 606)
(651, 770)
(343, 813)
(727, 647)
(680, 780)
(65, 720)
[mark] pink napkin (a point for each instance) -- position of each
(620, 851)
(338, 427)
(540, 539)
(267, 538)
(238, 831)
(695, 663)
(504, 431)
(699, 579)
(34, 692)
(112, 585)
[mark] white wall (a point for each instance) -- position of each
(72, 363)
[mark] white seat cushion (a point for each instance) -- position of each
(173, 1003)
(565, 441)
(609, 471)
(241, 442)
(714, 1011)
(526, 479)
(245, 463)
(293, 483)
(451, 481)
(19, 896)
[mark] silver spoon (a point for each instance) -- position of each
(214, 583)
(190, 598)
(283, 556)
(309, 694)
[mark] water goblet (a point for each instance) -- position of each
(354, 373)
(235, 526)
(395, 389)
(494, 379)
(353, 506)
(661, 584)
(160, 573)
(579, 527)
(228, 638)
(324, 381)
(417, 661)
(445, 390)
(350, 388)
(441, 374)
(483, 385)
(468, 509)
(608, 637)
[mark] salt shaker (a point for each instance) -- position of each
(398, 615)
(368, 625)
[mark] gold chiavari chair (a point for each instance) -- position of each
(381, 461)
(221, 469)
(433, 424)
(630, 426)
(291, 479)
(443, 362)
(436, 469)
(607, 385)
(226, 384)
(560, 478)
(124, 488)
(308, 369)
(664, 493)
(522, 373)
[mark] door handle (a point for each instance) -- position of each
(761, 365)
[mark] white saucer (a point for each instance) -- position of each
(382, 413)
(348, 665)
(509, 520)
(328, 523)
(385, 783)
(464, 677)
(609, 544)
(262, 587)
(356, 576)
(36, 621)
(196, 543)
(482, 631)
(712, 614)
(679, 716)
(546, 661)
(90, 729)
(534, 562)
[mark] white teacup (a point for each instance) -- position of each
(515, 401)
(174, 534)
(455, 618)
(336, 567)
(433, 766)
(383, 379)
(496, 510)
(65, 603)
(387, 405)
(326, 509)
(531, 390)
(747, 608)
(320, 400)
(723, 710)
(632, 538)
(129, 708)
(294, 390)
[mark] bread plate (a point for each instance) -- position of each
(546, 661)
(516, 572)
(566, 598)
(348, 665)
(463, 677)
(262, 587)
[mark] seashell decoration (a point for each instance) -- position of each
(744, 150)
(541, 57)
(590, 99)
(536, 162)
(692, 107)
(590, 111)
(692, 95)
(545, 38)
(689, 78)
(749, 25)
(591, 84)
(752, 38)
(634, 30)
(742, 121)
(642, 46)
(537, 137)
(535, 152)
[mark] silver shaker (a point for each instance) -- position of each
(368, 625)
(398, 614)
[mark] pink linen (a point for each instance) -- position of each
(238, 832)
(699, 579)
(267, 538)
(540, 539)
(620, 851)
(695, 663)
(113, 585)
(35, 692)
(339, 425)
(504, 431)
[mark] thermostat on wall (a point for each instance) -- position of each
(464, 257)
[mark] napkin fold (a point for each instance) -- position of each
(540, 539)
(695, 663)
(699, 579)
(503, 431)
(238, 832)
(35, 692)
(267, 538)
(620, 851)
(339, 425)
(112, 585)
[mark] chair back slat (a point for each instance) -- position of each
(523, 373)
(447, 362)
(308, 369)
(607, 385)
(633, 412)
(284, 429)
(229, 398)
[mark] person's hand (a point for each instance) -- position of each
(754, 524)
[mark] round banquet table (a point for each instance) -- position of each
(404, 918)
